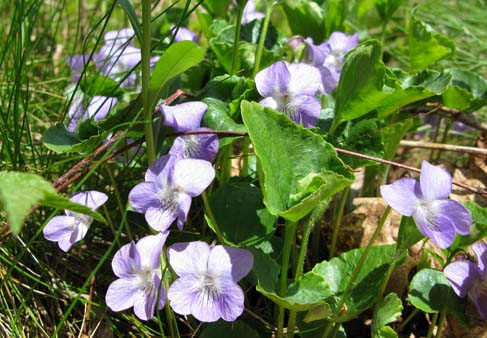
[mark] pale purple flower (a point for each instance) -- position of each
(69, 229)
(170, 183)
(207, 287)
(184, 34)
(77, 63)
(291, 89)
(427, 201)
(468, 278)
(97, 109)
(138, 267)
(329, 57)
(198, 146)
(250, 14)
(184, 116)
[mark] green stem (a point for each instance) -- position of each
(407, 320)
(313, 218)
(444, 137)
(236, 39)
(289, 235)
(146, 99)
(245, 157)
(441, 322)
(210, 214)
(265, 27)
(361, 261)
(435, 137)
(432, 325)
(338, 220)
(225, 160)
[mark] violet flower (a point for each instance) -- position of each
(69, 229)
(97, 109)
(468, 278)
(250, 14)
(427, 201)
(184, 116)
(329, 57)
(184, 34)
(291, 89)
(77, 63)
(139, 286)
(207, 287)
(170, 183)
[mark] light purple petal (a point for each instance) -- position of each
(184, 204)
(79, 231)
(401, 195)
(329, 79)
(462, 276)
(305, 79)
(92, 199)
(199, 147)
(308, 110)
(150, 249)
(439, 228)
(126, 261)
(274, 80)
(77, 63)
(121, 294)
(75, 113)
(100, 106)
(160, 169)
(185, 116)
(160, 218)
(479, 296)
(229, 304)
(189, 258)
(59, 227)
(480, 250)
(192, 176)
(145, 300)
(249, 13)
(182, 292)
(145, 195)
(120, 37)
(184, 34)
(435, 182)
(269, 102)
(234, 263)
(315, 56)
(458, 214)
(339, 41)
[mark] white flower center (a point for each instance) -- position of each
(169, 199)
(285, 104)
(191, 145)
(430, 210)
(209, 287)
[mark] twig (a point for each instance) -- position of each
(441, 146)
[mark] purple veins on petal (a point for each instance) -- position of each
(207, 287)
(198, 146)
(184, 116)
(69, 229)
(436, 216)
(138, 266)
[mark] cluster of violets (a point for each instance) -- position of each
(292, 88)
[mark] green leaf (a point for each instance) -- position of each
(241, 214)
(298, 167)
(101, 86)
(360, 89)
(19, 192)
(216, 7)
(386, 8)
(430, 292)
(386, 332)
(59, 139)
(335, 14)
(412, 88)
(266, 269)
(408, 234)
(178, 58)
(238, 329)
(478, 229)
(305, 18)
(388, 311)
(426, 47)
(337, 273)
(468, 91)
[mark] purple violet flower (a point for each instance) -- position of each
(291, 89)
(250, 14)
(468, 278)
(77, 63)
(170, 183)
(184, 34)
(207, 287)
(184, 116)
(329, 57)
(138, 267)
(69, 229)
(427, 201)
(199, 146)
(97, 109)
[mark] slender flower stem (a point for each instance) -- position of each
(407, 320)
(441, 322)
(432, 325)
(146, 99)
(210, 214)
(265, 27)
(338, 220)
(313, 218)
(289, 235)
(236, 40)
(357, 269)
